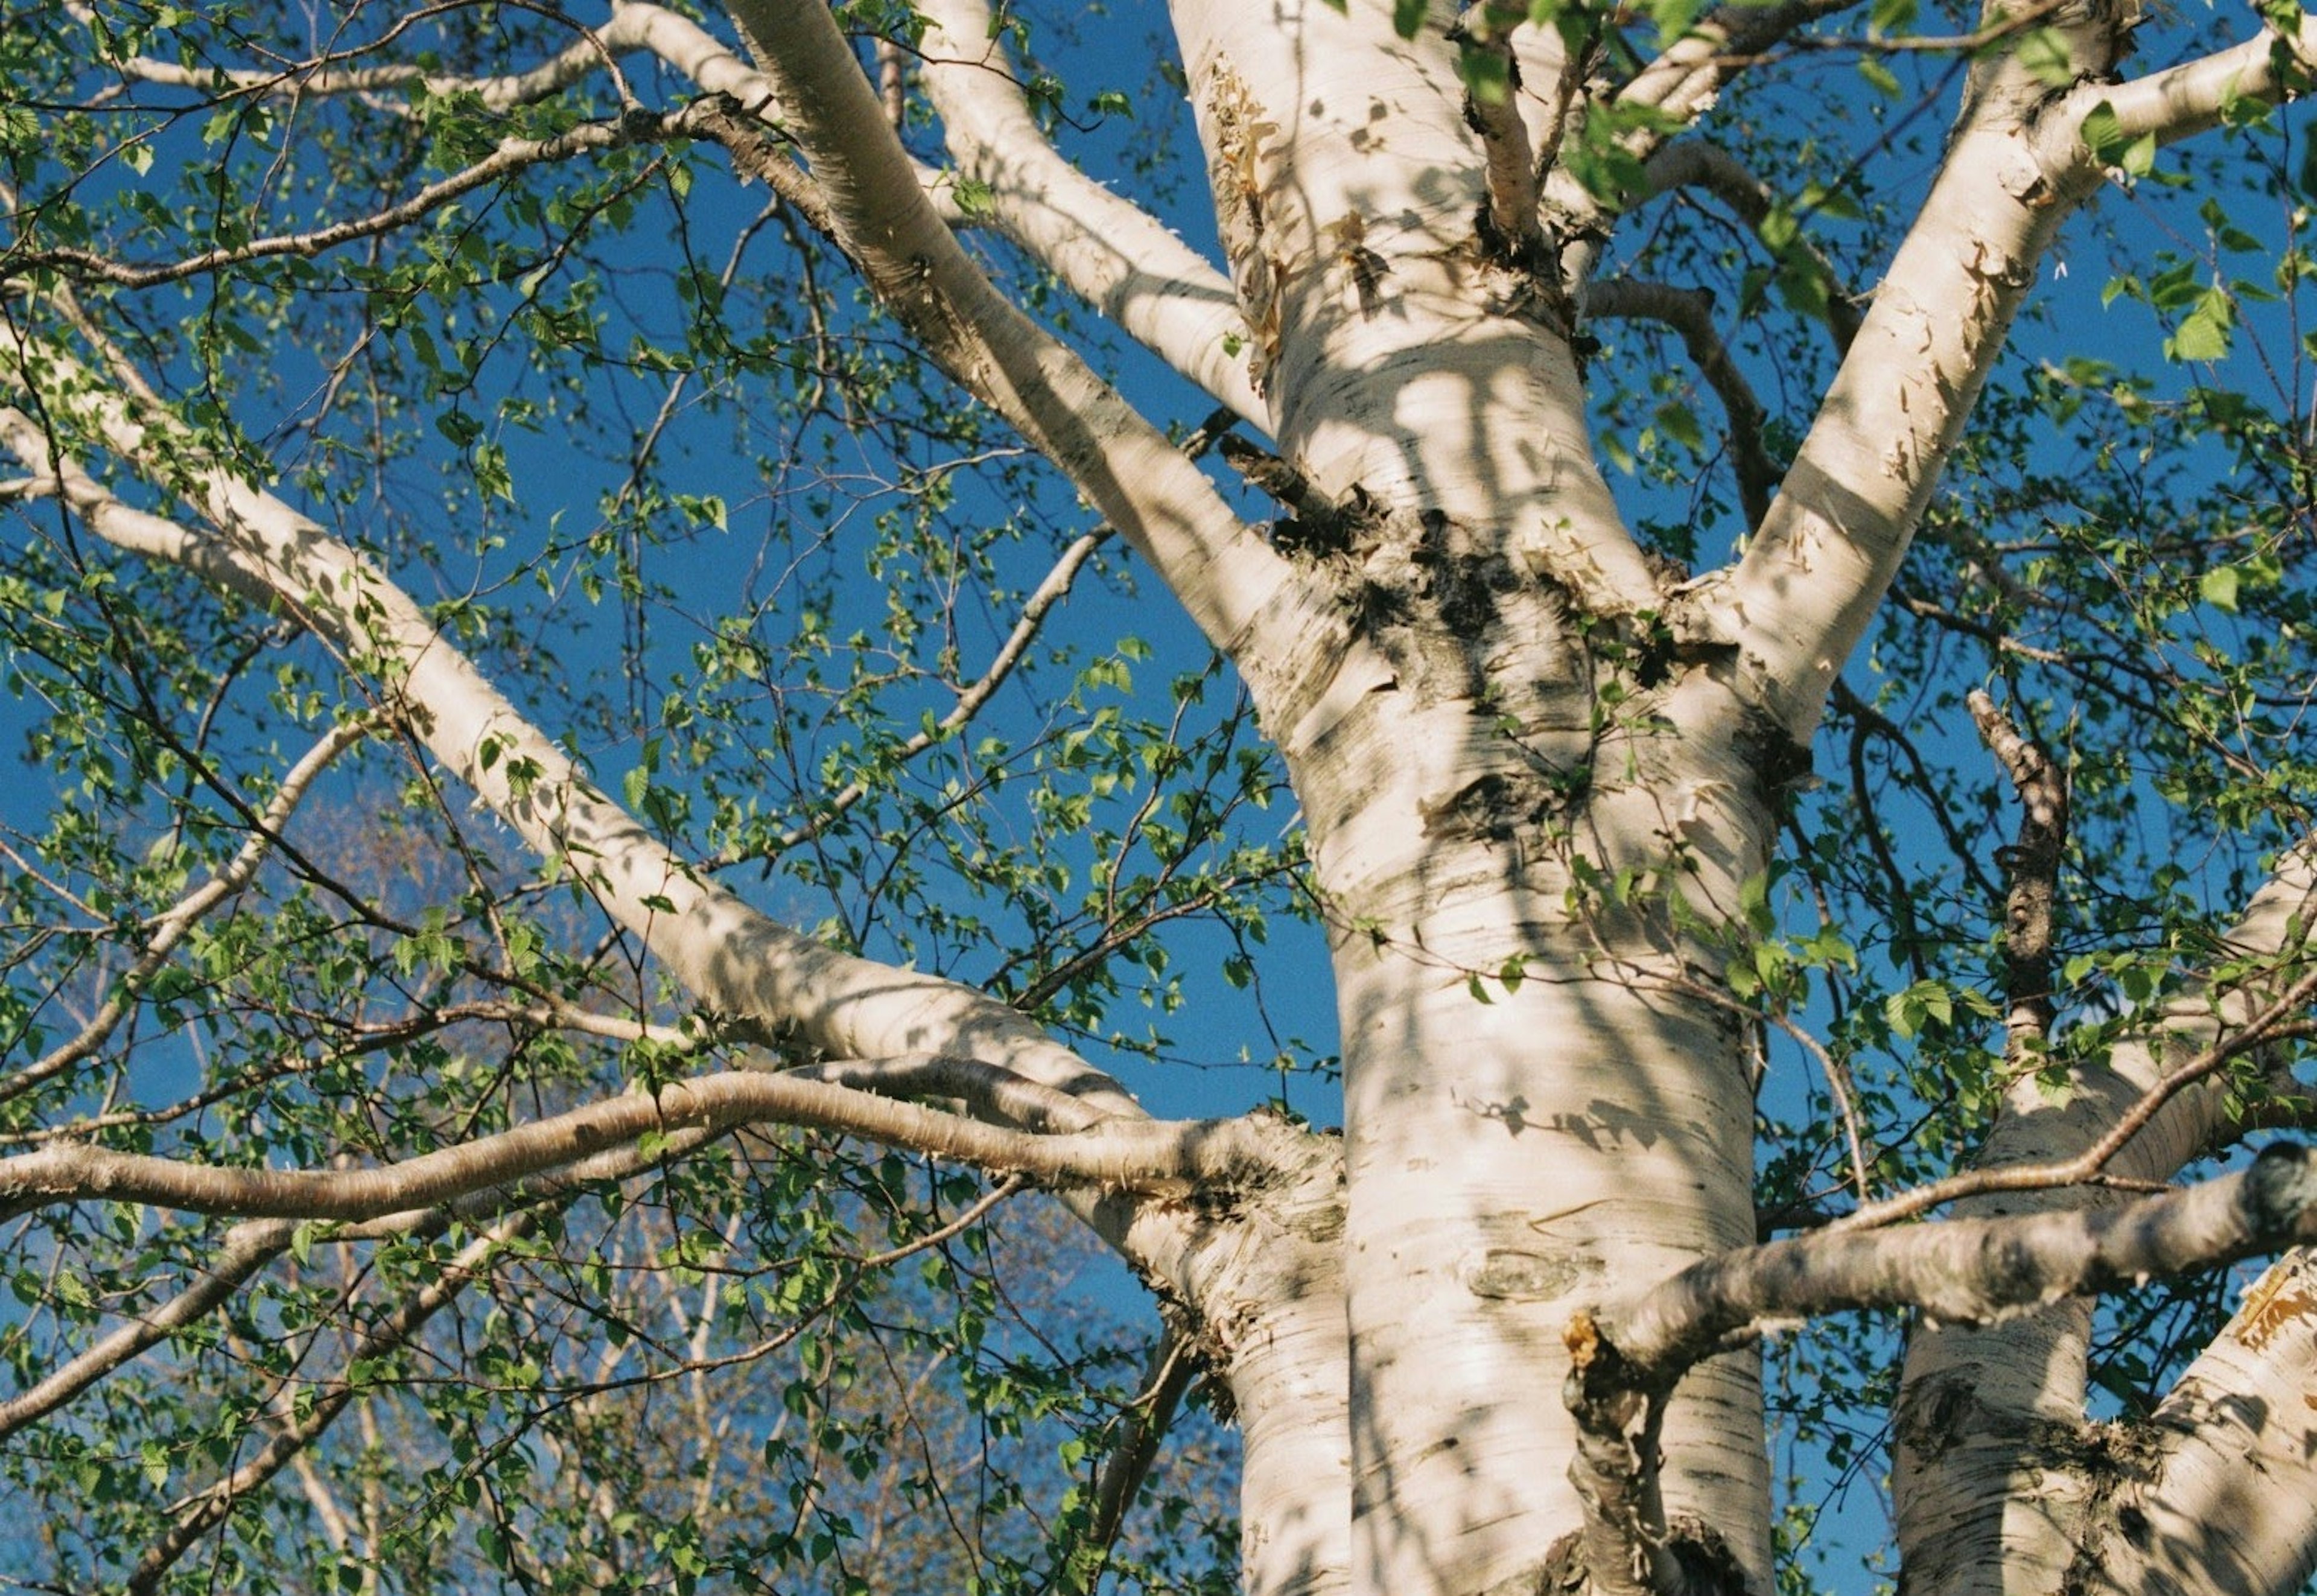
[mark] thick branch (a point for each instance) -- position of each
(1140, 1154)
(2225, 1499)
(1111, 253)
(735, 960)
(1627, 1358)
(2193, 97)
(1231, 582)
(1972, 1271)
(1809, 583)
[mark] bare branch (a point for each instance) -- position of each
(1117, 1154)
(2032, 863)
(986, 1092)
(1689, 311)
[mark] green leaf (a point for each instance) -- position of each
(1884, 81)
(2218, 587)
(1407, 17)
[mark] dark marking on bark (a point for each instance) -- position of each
(1703, 1565)
(1492, 808)
(1781, 766)
(1509, 1274)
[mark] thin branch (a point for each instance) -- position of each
(1174, 1366)
(511, 156)
(2032, 863)
(250, 1246)
(2273, 1023)
(1700, 163)
(172, 927)
(1689, 311)
(207, 1510)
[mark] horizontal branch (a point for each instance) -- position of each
(2195, 96)
(1965, 1271)
(250, 1246)
(511, 156)
(1126, 1154)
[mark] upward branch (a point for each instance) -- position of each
(735, 960)
(1232, 584)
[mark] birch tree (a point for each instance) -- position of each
(670, 657)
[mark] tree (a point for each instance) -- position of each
(377, 1226)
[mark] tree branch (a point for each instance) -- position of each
(1689, 311)
(172, 926)
(1627, 1358)
(1239, 592)
(1700, 163)
(250, 1246)
(1802, 595)
(2032, 864)
(2193, 97)
(735, 960)
(1118, 1154)
(2223, 1498)
(512, 155)
(207, 1510)
(1109, 252)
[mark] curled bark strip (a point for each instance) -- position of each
(1143, 1154)
(2031, 866)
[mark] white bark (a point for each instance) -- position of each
(1235, 588)
(1990, 1484)
(1395, 355)
(734, 959)
(2220, 1493)
(1111, 252)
